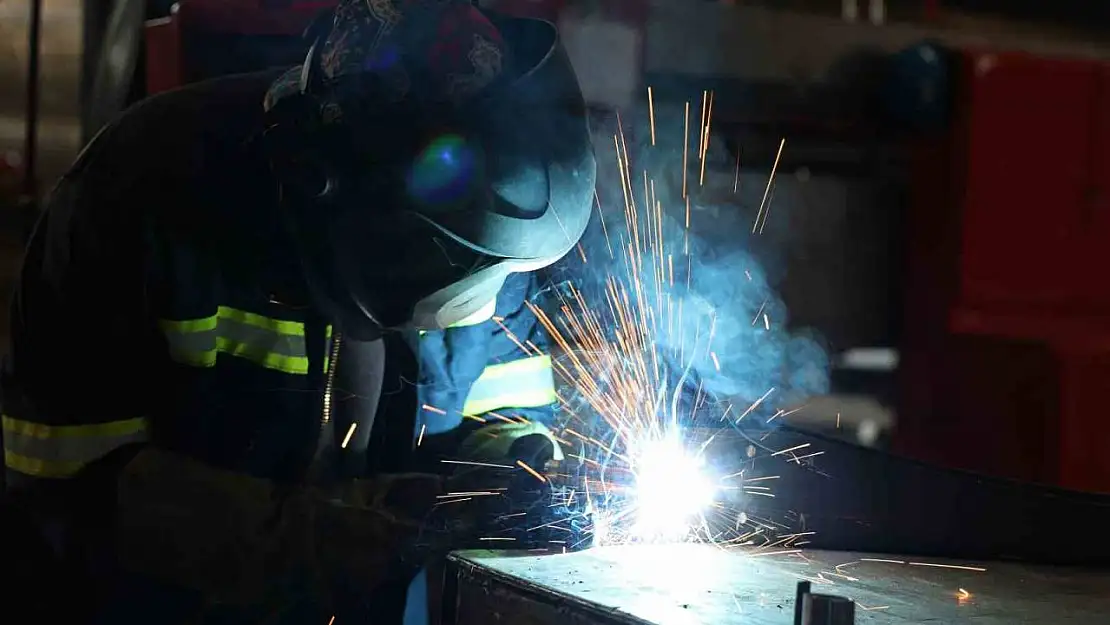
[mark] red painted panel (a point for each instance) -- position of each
(164, 64)
(994, 410)
(1030, 137)
(1097, 203)
(1007, 350)
(1084, 423)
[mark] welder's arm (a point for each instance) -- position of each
(75, 381)
(83, 369)
(80, 370)
(484, 390)
(242, 540)
(518, 428)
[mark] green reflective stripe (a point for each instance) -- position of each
(60, 451)
(271, 343)
(327, 350)
(278, 326)
(189, 325)
(525, 383)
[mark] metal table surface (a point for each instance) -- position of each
(702, 584)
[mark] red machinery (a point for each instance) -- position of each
(204, 38)
(1007, 356)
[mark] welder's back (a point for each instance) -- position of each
(158, 304)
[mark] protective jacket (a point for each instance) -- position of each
(160, 303)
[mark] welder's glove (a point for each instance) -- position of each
(530, 442)
(243, 540)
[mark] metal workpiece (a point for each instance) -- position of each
(689, 584)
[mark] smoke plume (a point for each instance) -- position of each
(725, 328)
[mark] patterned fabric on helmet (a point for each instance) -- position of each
(448, 41)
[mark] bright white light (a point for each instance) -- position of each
(672, 490)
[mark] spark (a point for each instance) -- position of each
(736, 177)
(351, 431)
(477, 493)
(788, 450)
(705, 142)
(685, 153)
(478, 464)
(957, 567)
(936, 565)
(642, 468)
(774, 553)
(755, 404)
(764, 207)
(529, 469)
(701, 127)
(759, 312)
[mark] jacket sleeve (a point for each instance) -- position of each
(79, 372)
(487, 371)
(518, 377)
(494, 382)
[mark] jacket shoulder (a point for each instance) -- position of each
(165, 140)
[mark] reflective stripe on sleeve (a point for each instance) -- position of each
(62, 450)
(270, 343)
(525, 383)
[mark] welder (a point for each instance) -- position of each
(252, 302)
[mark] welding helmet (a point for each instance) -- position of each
(425, 151)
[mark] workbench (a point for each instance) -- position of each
(690, 584)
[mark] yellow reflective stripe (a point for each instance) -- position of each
(61, 450)
(258, 355)
(327, 350)
(272, 343)
(525, 383)
(289, 328)
(38, 430)
(40, 468)
(189, 325)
